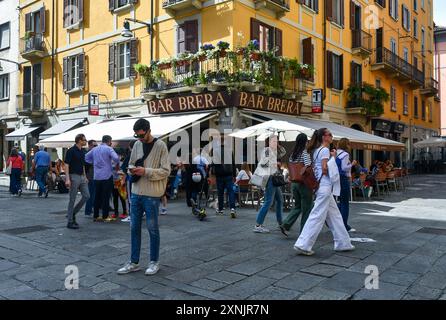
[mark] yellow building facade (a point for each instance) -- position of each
(70, 48)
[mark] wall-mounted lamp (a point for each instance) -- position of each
(126, 33)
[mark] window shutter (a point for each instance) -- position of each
(341, 71)
(307, 51)
(81, 10)
(111, 5)
(271, 35)
(111, 62)
(390, 7)
(255, 29)
(133, 56)
(396, 9)
(329, 69)
(65, 74)
(352, 73)
(133, 1)
(181, 38)
(191, 36)
(28, 22)
(278, 40)
(316, 6)
(342, 13)
(81, 69)
(69, 70)
(329, 9)
(65, 13)
(301, 1)
(352, 15)
(42, 20)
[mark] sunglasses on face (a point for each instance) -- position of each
(139, 136)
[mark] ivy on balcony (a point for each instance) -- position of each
(367, 97)
(217, 65)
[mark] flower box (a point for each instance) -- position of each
(164, 66)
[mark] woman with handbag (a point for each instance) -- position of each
(325, 208)
(14, 167)
(303, 197)
(272, 181)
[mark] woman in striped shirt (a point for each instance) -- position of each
(302, 195)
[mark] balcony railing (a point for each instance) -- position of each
(30, 103)
(361, 42)
(389, 62)
(431, 88)
(172, 7)
(280, 7)
(32, 46)
(219, 72)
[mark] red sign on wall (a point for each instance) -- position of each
(317, 104)
(93, 104)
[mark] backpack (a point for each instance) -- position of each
(339, 164)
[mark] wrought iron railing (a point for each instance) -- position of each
(361, 39)
(32, 43)
(30, 102)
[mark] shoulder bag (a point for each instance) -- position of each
(147, 147)
(309, 178)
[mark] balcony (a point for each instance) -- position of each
(30, 104)
(173, 7)
(32, 47)
(253, 72)
(396, 67)
(361, 43)
(431, 88)
(279, 7)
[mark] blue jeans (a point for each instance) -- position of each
(15, 183)
(90, 202)
(271, 192)
(344, 200)
(222, 184)
(150, 206)
(41, 174)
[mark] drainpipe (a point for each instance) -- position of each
(151, 33)
(325, 52)
(52, 53)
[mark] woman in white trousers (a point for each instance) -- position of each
(325, 208)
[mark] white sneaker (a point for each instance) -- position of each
(260, 229)
(346, 250)
(128, 268)
(352, 230)
(152, 269)
(219, 212)
(126, 219)
(303, 252)
(163, 211)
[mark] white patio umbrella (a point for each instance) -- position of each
(431, 143)
(285, 130)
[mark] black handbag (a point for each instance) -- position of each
(278, 180)
(147, 147)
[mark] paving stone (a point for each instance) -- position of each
(318, 293)
(247, 287)
(340, 261)
(251, 267)
(226, 277)
(208, 284)
(6, 265)
(346, 281)
(189, 275)
(415, 264)
(13, 290)
(80, 294)
(386, 291)
(380, 259)
(423, 292)
(273, 273)
(275, 293)
(299, 281)
(433, 280)
(105, 287)
(89, 281)
(11, 283)
(48, 284)
(358, 253)
(131, 295)
(399, 277)
(324, 270)
(28, 295)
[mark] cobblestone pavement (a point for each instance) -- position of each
(222, 258)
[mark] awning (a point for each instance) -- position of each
(359, 139)
(61, 127)
(121, 129)
(21, 133)
(434, 142)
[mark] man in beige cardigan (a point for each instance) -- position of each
(146, 193)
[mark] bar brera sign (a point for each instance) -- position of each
(223, 99)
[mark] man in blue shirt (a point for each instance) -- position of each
(41, 164)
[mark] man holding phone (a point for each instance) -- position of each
(149, 167)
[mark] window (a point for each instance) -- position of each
(74, 72)
(35, 21)
(308, 53)
(268, 36)
(312, 4)
(116, 4)
(406, 18)
(406, 54)
(423, 41)
(335, 71)
(405, 103)
(4, 36)
(393, 106)
(423, 110)
(356, 73)
(430, 112)
(415, 5)
(415, 28)
(422, 4)
(73, 12)
(382, 3)
(4, 86)
(378, 83)
(415, 107)
(393, 9)
(122, 57)
(393, 46)
(335, 11)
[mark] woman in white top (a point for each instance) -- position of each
(325, 208)
(244, 173)
(345, 171)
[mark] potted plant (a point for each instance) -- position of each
(222, 47)
(164, 64)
